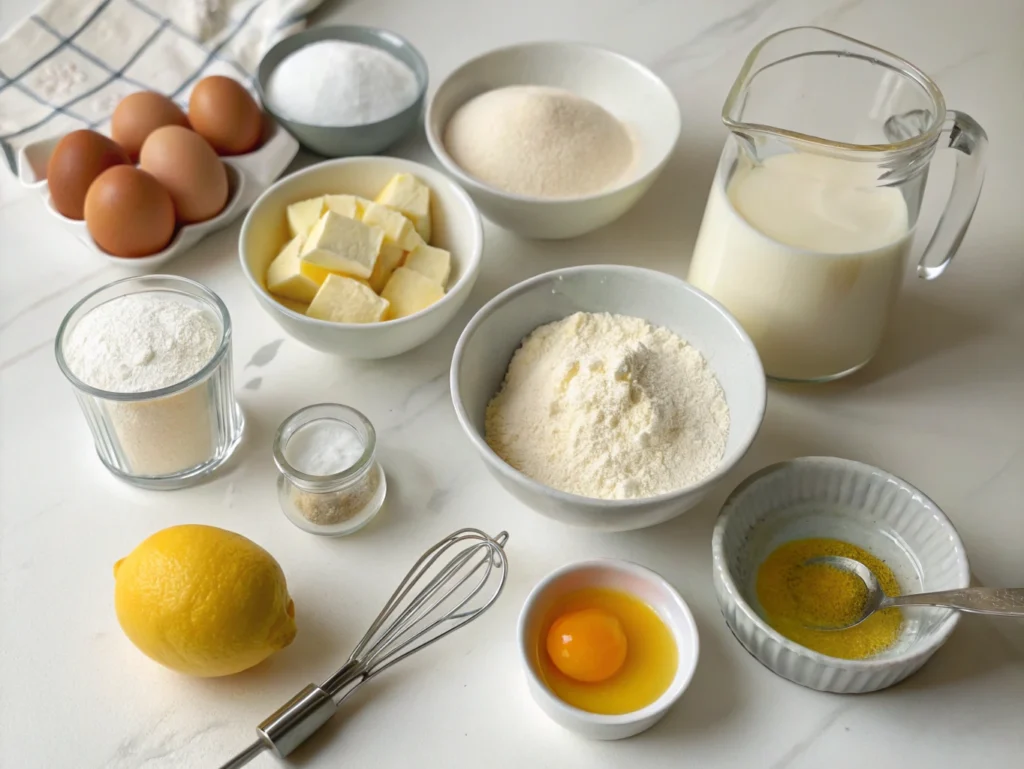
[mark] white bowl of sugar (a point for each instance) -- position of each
(633, 95)
(593, 440)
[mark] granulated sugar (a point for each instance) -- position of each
(539, 141)
(338, 83)
(143, 342)
(609, 406)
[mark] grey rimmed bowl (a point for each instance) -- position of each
(486, 346)
(344, 141)
(857, 503)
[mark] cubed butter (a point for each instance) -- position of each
(408, 291)
(351, 206)
(388, 260)
(343, 245)
(396, 227)
(344, 300)
(409, 195)
(304, 214)
(434, 263)
(289, 278)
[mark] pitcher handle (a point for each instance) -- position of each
(962, 133)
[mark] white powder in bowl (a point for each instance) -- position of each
(143, 342)
(539, 141)
(337, 83)
(609, 406)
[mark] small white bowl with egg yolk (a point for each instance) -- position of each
(638, 583)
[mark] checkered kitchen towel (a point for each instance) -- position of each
(69, 64)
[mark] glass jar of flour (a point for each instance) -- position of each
(150, 360)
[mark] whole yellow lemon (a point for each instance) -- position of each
(203, 601)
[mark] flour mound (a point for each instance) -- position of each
(609, 406)
(141, 342)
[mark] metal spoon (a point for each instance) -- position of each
(1003, 601)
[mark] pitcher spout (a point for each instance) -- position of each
(826, 92)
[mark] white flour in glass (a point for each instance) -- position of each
(144, 342)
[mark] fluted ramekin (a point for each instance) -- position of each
(857, 503)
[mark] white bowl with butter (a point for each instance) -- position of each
(487, 344)
(456, 228)
(625, 88)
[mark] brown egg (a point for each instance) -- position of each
(224, 114)
(129, 213)
(186, 165)
(76, 161)
(138, 115)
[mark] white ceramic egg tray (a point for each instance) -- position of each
(248, 176)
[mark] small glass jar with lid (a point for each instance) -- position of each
(330, 481)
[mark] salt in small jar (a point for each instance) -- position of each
(330, 481)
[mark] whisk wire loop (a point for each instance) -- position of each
(427, 603)
(410, 621)
(399, 638)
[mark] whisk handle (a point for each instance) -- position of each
(294, 722)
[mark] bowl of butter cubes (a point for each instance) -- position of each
(363, 257)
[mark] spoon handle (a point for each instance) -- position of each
(1006, 601)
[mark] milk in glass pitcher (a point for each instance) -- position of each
(812, 211)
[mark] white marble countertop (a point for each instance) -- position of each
(942, 406)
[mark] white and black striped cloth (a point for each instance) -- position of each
(68, 65)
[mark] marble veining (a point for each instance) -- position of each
(942, 406)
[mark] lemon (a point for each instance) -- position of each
(203, 601)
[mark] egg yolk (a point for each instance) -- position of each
(588, 645)
(639, 672)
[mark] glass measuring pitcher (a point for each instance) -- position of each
(810, 218)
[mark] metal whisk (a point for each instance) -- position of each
(450, 594)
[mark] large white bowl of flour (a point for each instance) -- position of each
(633, 94)
(491, 339)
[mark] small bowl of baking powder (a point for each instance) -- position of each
(150, 360)
(331, 483)
(344, 90)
